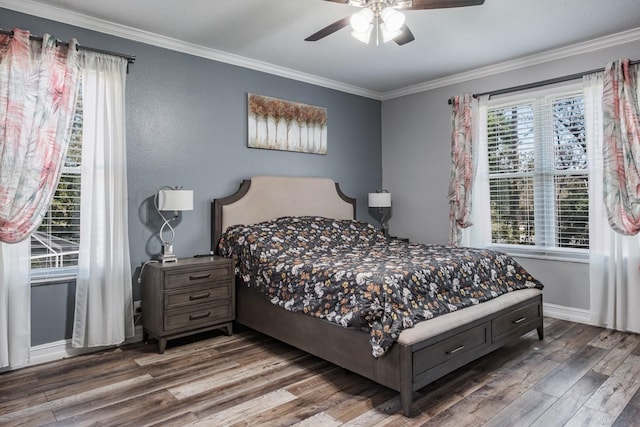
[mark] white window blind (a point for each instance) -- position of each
(54, 245)
(538, 172)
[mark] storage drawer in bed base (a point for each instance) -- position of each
(516, 322)
(446, 353)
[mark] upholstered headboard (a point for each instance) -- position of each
(267, 197)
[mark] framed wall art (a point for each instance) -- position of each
(276, 124)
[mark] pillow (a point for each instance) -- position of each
(296, 235)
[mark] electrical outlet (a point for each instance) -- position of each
(137, 307)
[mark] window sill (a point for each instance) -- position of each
(580, 256)
(45, 276)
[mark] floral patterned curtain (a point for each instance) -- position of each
(38, 90)
(462, 167)
(621, 150)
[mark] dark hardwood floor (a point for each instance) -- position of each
(578, 376)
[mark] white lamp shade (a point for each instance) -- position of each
(175, 200)
(379, 200)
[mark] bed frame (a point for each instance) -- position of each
(422, 354)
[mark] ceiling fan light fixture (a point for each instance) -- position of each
(361, 21)
(385, 17)
(392, 19)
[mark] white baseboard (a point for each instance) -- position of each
(571, 314)
(62, 349)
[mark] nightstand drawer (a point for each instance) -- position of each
(219, 291)
(203, 316)
(199, 276)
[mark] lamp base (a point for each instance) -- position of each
(165, 259)
(167, 254)
(385, 228)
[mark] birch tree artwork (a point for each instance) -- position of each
(276, 124)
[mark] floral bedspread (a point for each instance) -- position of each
(345, 271)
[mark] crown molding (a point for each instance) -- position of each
(83, 21)
(516, 64)
(73, 18)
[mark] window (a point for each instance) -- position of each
(538, 173)
(54, 245)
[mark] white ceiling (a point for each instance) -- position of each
(269, 35)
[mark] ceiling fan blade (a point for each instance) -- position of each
(405, 37)
(329, 29)
(440, 4)
(339, 1)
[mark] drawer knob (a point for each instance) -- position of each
(520, 320)
(455, 350)
(199, 316)
(202, 276)
(200, 296)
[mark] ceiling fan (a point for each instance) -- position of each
(383, 16)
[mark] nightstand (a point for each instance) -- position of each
(186, 297)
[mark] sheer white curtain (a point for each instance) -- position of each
(478, 235)
(15, 294)
(104, 307)
(614, 260)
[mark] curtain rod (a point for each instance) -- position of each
(130, 58)
(540, 83)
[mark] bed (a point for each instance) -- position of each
(421, 352)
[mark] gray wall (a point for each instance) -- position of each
(416, 153)
(186, 125)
